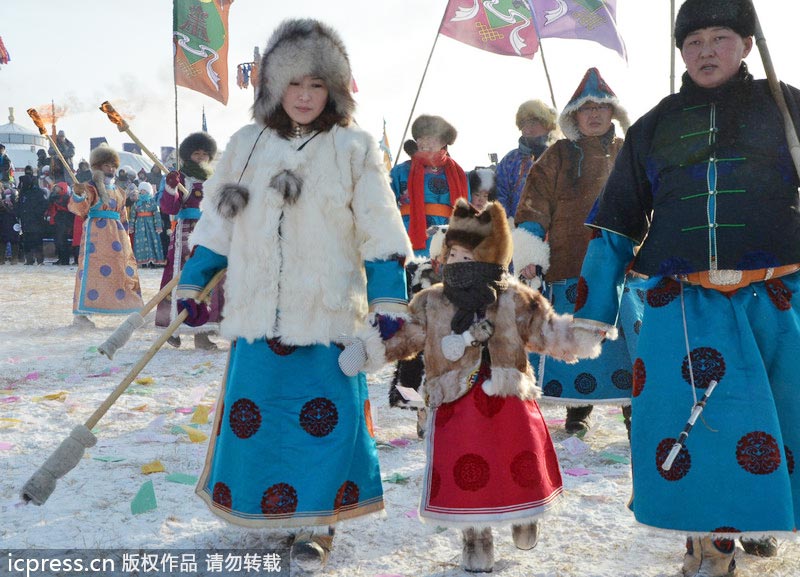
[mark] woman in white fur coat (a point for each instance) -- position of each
(300, 212)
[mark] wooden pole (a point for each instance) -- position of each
(777, 94)
(37, 120)
(116, 119)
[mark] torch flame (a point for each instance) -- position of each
(37, 120)
(114, 116)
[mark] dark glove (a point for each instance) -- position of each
(197, 313)
(173, 178)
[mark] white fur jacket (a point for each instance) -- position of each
(296, 262)
(523, 321)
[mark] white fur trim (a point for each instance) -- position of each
(529, 249)
(376, 350)
(507, 383)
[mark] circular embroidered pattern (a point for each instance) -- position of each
(438, 185)
(222, 495)
(443, 414)
(319, 417)
(622, 379)
(681, 464)
(639, 377)
(245, 418)
(471, 472)
(346, 496)
(280, 499)
(789, 459)
(525, 469)
(436, 483)
(758, 453)
(585, 383)
(553, 389)
(666, 291)
(707, 365)
(780, 296)
(279, 348)
(488, 406)
(581, 294)
(572, 293)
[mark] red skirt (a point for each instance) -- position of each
(489, 461)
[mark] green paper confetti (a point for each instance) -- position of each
(109, 459)
(615, 458)
(145, 499)
(396, 478)
(181, 478)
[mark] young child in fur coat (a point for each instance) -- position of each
(490, 460)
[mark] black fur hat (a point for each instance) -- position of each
(738, 15)
(197, 141)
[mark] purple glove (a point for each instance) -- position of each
(197, 313)
(173, 178)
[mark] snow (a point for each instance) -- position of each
(593, 534)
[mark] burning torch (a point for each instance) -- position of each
(37, 120)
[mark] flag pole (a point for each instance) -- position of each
(419, 88)
(175, 82)
(541, 50)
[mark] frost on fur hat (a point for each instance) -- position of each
(428, 125)
(592, 88)
(102, 154)
(485, 233)
(537, 110)
(197, 141)
(738, 15)
(303, 47)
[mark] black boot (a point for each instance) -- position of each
(765, 547)
(626, 413)
(577, 422)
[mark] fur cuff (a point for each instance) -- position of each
(529, 249)
(288, 184)
(511, 383)
(233, 199)
(376, 350)
(570, 341)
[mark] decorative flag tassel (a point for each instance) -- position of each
(696, 410)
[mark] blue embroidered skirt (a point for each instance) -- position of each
(606, 379)
(736, 472)
(292, 442)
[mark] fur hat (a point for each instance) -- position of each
(483, 179)
(303, 47)
(592, 88)
(427, 125)
(486, 233)
(102, 154)
(738, 15)
(197, 141)
(145, 187)
(537, 110)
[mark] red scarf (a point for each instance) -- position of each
(456, 182)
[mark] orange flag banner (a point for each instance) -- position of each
(200, 38)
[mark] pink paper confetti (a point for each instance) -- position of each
(12, 360)
(6, 446)
(32, 376)
(578, 472)
(9, 400)
(412, 514)
(400, 442)
(555, 422)
(184, 410)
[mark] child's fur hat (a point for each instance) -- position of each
(486, 233)
(197, 141)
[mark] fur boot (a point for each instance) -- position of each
(525, 536)
(578, 420)
(202, 342)
(626, 414)
(477, 551)
(310, 551)
(707, 557)
(766, 547)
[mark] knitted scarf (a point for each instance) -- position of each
(456, 182)
(471, 287)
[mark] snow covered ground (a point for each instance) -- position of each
(41, 354)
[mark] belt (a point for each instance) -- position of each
(112, 214)
(431, 209)
(727, 280)
(189, 214)
(144, 214)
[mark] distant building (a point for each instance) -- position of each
(21, 143)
